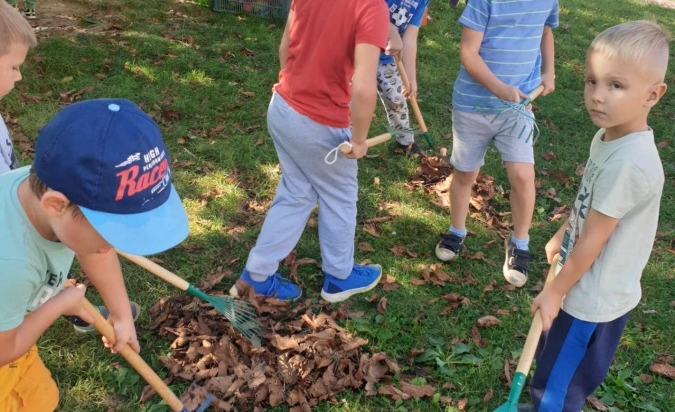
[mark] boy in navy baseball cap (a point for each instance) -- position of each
(101, 180)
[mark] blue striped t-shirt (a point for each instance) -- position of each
(511, 47)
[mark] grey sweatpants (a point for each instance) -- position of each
(306, 179)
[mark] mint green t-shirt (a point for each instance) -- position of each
(32, 268)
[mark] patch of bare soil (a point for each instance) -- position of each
(666, 4)
(56, 17)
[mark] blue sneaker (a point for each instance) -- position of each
(275, 286)
(362, 279)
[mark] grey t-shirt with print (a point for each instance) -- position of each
(623, 179)
(8, 160)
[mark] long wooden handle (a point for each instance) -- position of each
(369, 142)
(413, 100)
(134, 359)
(532, 341)
(157, 270)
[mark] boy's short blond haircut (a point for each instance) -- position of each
(642, 42)
(14, 28)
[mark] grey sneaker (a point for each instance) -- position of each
(525, 407)
(515, 264)
(29, 14)
(449, 247)
(81, 326)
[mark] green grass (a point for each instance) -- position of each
(206, 78)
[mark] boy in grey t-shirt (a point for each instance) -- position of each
(606, 242)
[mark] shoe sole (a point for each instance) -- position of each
(446, 255)
(514, 277)
(235, 294)
(339, 297)
(91, 328)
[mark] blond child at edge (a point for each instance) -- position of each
(101, 180)
(606, 242)
(16, 37)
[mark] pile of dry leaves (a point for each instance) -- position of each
(305, 358)
(434, 174)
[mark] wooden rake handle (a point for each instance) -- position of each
(347, 148)
(532, 341)
(534, 94)
(413, 100)
(156, 270)
(135, 360)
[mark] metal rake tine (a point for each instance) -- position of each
(246, 321)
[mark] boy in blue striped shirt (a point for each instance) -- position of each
(506, 51)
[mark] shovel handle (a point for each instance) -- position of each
(134, 359)
(532, 341)
(413, 99)
(156, 270)
(344, 148)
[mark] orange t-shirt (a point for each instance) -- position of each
(323, 34)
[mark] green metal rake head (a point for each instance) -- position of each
(514, 113)
(240, 313)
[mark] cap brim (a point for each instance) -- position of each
(144, 233)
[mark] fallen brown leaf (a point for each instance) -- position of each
(382, 305)
(667, 371)
(597, 405)
(488, 320)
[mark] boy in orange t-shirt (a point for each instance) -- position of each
(329, 55)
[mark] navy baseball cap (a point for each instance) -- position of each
(107, 156)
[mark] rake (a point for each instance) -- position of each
(413, 102)
(240, 313)
(515, 112)
(346, 147)
(527, 355)
(140, 365)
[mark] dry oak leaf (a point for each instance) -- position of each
(667, 371)
(461, 404)
(597, 405)
(365, 247)
(487, 321)
(284, 342)
(393, 392)
(382, 306)
(488, 396)
(646, 379)
(417, 391)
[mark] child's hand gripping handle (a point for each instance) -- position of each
(533, 95)
(347, 148)
(135, 360)
(413, 99)
(532, 341)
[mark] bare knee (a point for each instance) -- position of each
(521, 175)
(464, 178)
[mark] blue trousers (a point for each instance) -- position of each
(573, 359)
(301, 145)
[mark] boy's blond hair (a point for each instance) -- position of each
(642, 42)
(14, 29)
